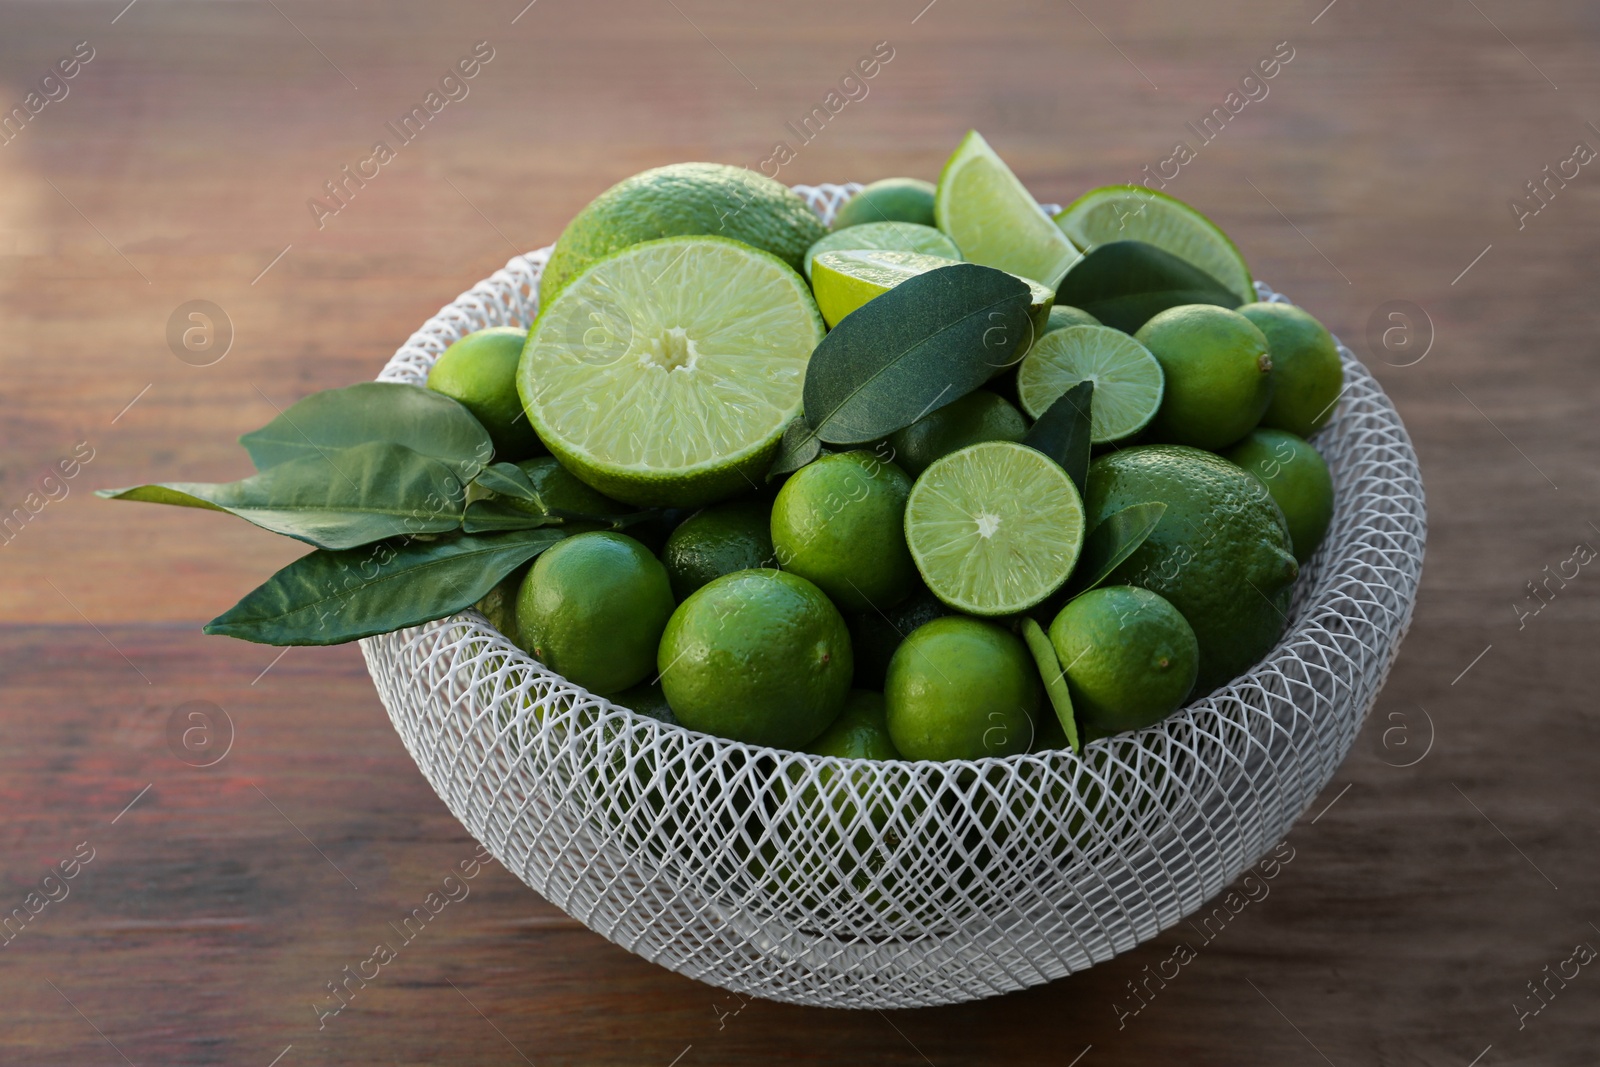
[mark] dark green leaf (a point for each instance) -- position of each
(499, 513)
(1062, 432)
(1113, 540)
(1124, 283)
(338, 499)
(507, 479)
(798, 447)
(1055, 682)
(927, 342)
(421, 419)
(327, 598)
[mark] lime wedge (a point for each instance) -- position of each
(843, 281)
(895, 236)
(994, 220)
(1128, 382)
(666, 373)
(994, 528)
(1134, 213)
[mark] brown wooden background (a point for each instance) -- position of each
(1417, 907)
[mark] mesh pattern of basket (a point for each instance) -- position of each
(855, 884)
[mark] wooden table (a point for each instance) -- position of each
(1451, 860)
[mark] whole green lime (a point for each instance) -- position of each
(1062, 316)
(1297, 477)
(648, 700)
(480, 371)
(499, 605)
(1218, 375)
(839, 522)
(874, 635)
(1220, 552)
(1129, 656)
(718, 540)
(860, 732)
(678, 200)
(1307, 376)
(888, 200)
(592, 609)
(961, 688)
(978, 416)
(759, 656)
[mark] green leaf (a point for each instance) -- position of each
(1125, 283)
(1113, 540)
(420, 419)
(507, 479)
(798, 447)
(927, 342)
(1055, 682)
(338, 499)
(1062, 433)
(498, 513)
(327, 598)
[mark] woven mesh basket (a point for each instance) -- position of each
(849, 883)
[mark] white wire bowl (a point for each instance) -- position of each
(857, 884)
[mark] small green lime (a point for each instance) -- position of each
(860, 732)
(499, 605)
(480, 371)
(1062, 316)
(888, 200)
(874, 635)
(978, 416)
(759, 656)
(892, 236)
(592, 609)
(648, 700)
(1297, 477)
(1218, 374)
(838, 522)
(1307, 376)
(718, 540)
(961, 688)
(1129, 657)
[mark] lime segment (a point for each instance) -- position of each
(994, 220)
(844, 280)
(994, 528)
(1134, 213)
(895, 236)
(1128, 381)
(666, 373)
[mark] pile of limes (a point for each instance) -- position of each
(950, 591)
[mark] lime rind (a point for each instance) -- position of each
(1135, 213)
(665, 374)
(994, 528)
(993, 218)
(1128, 380)
(891, 236)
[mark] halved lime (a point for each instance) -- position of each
(666, 373)
(1128, 382)
(895, 236)
(1135, 213)
(994, 220)
(845, 280)
(994, 528)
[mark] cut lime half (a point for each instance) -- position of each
(843, 281)
(994, 528)
(894, 236)
(1134, 213)
(666, 373)
(994, 220)
(1128, 382)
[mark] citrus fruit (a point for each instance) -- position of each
(978, 416)
(839, 522)
(961, 688)
(480, 371)
(888, 200)
(665, 374)
(1062, 316)
(648, 700)
(1220, 552)
(994, 220)
(994, 528)
(891, 236)
(759, 656)
(1307, 376)
(1129, 656)
(715, 541)
(844, 280)
(1218, 374)
(1057, 726)
(1128, 381)
(499, 605)
(592, 609)
(683, 199)
(860, 732)
(874, 635)
(1135, 213)
(1297, 477)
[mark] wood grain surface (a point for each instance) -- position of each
(1452, 860)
